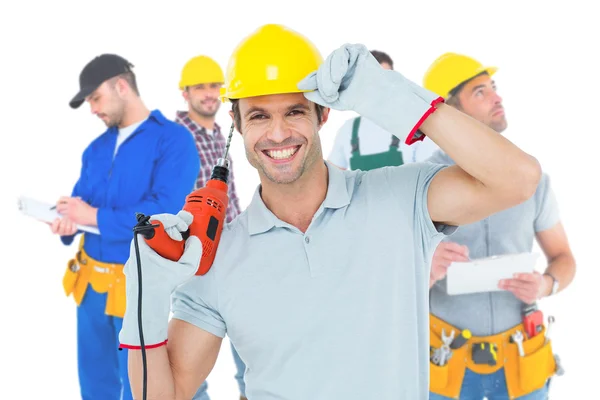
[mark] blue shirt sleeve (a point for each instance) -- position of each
(173, 179)
(67, 240)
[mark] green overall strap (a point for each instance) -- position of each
(395, 143)
(354, 140)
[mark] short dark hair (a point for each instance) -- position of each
(237, 116)
(382, 57)
(129, 77)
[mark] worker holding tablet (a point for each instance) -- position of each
(507, 353)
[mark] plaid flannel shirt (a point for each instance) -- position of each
(211, 148)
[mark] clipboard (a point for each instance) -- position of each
(46, 212)
(482, 275)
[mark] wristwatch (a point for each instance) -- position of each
(554, 283)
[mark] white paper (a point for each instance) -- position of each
(482, 275)
(44, 212)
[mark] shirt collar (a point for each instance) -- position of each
(261, 219)
(158, 117)
(183, 118)
(155, 116)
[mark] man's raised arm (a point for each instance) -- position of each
(491, 173)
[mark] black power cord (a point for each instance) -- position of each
(146, 229)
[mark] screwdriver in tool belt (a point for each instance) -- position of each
(460, 341)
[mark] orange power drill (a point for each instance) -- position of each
(208, 205)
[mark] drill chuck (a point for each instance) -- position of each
(220, 173)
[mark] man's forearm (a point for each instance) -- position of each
(482, 152)
(563, 269)
(160, 382)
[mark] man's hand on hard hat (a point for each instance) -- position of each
(77, 210)
(160, 277)
(445, 254)
(526, 287)
(352, 79)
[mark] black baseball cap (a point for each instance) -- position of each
(101, 68)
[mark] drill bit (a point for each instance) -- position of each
(224, 162)
(228, 141)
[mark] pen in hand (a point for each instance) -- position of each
(61, 202)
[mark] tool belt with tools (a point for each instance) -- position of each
(528, 362)
(103, 277)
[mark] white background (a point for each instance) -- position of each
(547, 77)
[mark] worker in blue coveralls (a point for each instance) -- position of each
(142, 163)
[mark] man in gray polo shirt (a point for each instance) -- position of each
(322, 282)
(468, 86)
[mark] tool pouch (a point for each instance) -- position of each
(115, 298)
(446, 380)
(75, 280)
(531, 372)
(101, 281)
(76, 276)
(108, 278)
(84, 271)
(70, 277)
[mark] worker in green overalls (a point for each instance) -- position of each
(381, 147)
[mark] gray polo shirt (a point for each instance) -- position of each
(338, 312)
(509, 231)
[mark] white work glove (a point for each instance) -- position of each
(160, 277)
(352, 79)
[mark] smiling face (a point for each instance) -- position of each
(281, 135)
(479, 99)
(203, 99)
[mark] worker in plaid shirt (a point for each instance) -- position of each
(201, 80)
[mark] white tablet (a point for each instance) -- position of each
(483, 274)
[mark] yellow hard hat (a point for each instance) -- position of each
(200, 69)
(450, 70)
(272, 60)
